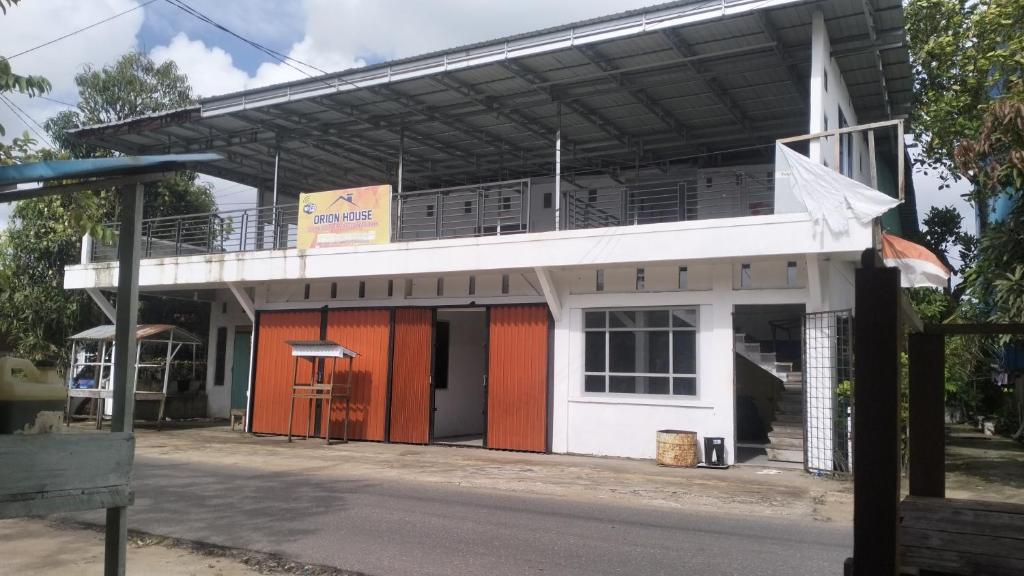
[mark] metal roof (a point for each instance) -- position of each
(690, 77)
(158, 332)
(319, 349)
(97, 167)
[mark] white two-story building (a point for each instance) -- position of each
(592, 234)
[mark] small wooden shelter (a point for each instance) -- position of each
(316, 391)
(92, 352)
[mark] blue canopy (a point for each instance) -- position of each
(99, 167)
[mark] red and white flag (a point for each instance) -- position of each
(918, 266)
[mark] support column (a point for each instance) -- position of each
(876, 393)
(401, 170)
(124, 362)
(558, 171)
(926, 355)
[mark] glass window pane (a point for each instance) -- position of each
(621, 352)
(622, 384)
(593, 320)
(652, 319)
(594, 353)
(593, 383)
(685, 318)
(684, 352)
(684, 386)
(653, 384)
(638, 351)
(622, 319)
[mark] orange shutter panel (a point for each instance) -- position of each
(366, 332)
(517, 378)
(274, 370)
(410, 375)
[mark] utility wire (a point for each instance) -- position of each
(74, 32)
(25, 118)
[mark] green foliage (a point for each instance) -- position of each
(962, 49)
(133, 86)
(44, 234)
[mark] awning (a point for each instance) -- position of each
(98, 167)
(147, 332)
(918, 266)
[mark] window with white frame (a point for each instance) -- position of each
(641, 351)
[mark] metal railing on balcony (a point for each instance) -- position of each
(479, 210)
(719, 193)
(490, 209)
(266, 228)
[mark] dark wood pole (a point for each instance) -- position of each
(876, 437)
(926, 354)
(124, 361)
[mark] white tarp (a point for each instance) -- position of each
(827, 194)
(919, 267)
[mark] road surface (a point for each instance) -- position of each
(405, 528)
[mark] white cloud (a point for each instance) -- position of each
(210, 70)
(32, 23)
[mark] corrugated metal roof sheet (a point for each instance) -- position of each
(663, 82)
(97, 167)
(319, 349)
(142, 332)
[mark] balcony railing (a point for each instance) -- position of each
(719, 193)
(479, 210)
(490, 209)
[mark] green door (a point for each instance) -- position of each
(240, 370)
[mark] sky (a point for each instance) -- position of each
(328, 34)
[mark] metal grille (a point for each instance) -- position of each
(828, 399)
(489, 209)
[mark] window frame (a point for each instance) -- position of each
(606, 329)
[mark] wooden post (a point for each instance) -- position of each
(876, 487)
(124, 364)
(927, 360)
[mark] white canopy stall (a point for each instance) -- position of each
(92, 361)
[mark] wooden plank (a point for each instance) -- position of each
(969, 544)
(926, 355)
(947, 562)
(876, 492)
(964, 504)
(55, 462)
(61, 501)
(996, 519)
(980, 328)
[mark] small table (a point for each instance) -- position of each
(317, 353)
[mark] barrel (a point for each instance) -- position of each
(677, 448)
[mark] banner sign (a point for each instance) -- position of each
(345, 217)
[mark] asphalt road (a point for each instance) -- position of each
(408, 528)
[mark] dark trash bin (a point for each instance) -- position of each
(714, 451)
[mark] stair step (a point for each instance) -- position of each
(790, 408)
(787, 442)
(793, 388)
(788, 427)
(786, 432)
(789, 419)
(786, 367)
(795, 376)
(781, 455)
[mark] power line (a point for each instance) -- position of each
(56, 101)
(24, 117)
(74, 32)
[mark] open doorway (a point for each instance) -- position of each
(769, 384)
(460, 364)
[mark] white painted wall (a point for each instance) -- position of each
(763, 236)
(623, 426)
(218, 398)
(460, 405)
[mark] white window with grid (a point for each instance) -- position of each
(640, 352)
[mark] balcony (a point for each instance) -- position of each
(491, 209)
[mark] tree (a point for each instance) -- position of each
(964, 51)
(44, 234)
(11, 82)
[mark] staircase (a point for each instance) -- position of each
(786, 437)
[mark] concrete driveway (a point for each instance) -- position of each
(403, 510)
